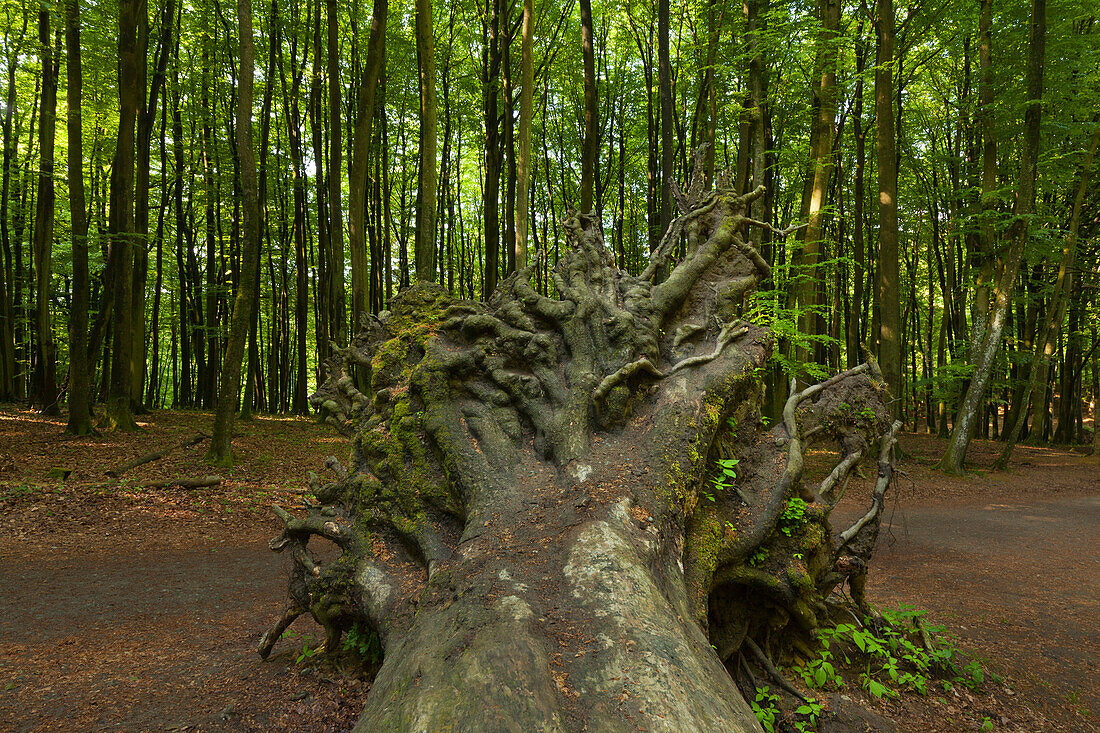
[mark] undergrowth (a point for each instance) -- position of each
(885, 655)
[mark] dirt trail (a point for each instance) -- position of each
(1010, 564)
(131, 610)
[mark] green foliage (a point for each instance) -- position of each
(793, 517)
(766, 708)
(759, 556)
(307, 651)
(889, 660)
(365, 643)
(17, 491)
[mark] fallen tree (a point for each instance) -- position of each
(567, 513)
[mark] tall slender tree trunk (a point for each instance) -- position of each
(856, 329)
(220, 452)
(526, 115)
(982, 245)
(7, 281)
(360, 155)
(491, 191)
(254, 387)
(664, 83)
(322, 289)
(80, 392)
(427, 175)
(887, 279)
(46, 372)
(118, 415)
(338, 316)
(970, 410)
(590, 148)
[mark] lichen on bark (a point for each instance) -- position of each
(529, 520)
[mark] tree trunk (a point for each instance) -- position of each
(337, 315)
(8, 285)
(491, 193)
(80, 389)
(118, 415)
(357, 174)
(664, 83)
(526, 115)
(955, 455)
(427, 176)
(809, 279)
(220, 452)
(535, 474)
(887, 279)
(590, 147)
(293, 119)
(46, 371)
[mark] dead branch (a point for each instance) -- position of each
(154, 456)
(184, 483)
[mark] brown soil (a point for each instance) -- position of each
(136, 609)
(1008, 564)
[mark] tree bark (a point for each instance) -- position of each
(491, 192)
(533, 474)
(357, 174)
(954, 456)
(220, 452)
(46, 372)
(664, 83)
(118, 415)
(809, 286)
(427, 174)
(526, 115)
(590, 147)
(337, 317)
(887, 279)
(80, 388)
(7, 281)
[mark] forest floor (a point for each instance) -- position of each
(133, 608)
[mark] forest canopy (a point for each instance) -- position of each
(939, 154)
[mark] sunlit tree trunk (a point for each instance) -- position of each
(590, 147)
(46, 371)
(337, 315)
(808, 277)
(526, 113)
(888, 283)
(427, 174)
(80, 408)
(360, 154)
(220, 452)
(121, 223)
(971, 407)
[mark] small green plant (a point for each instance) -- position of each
(759, 557)
(766, 708)
(724, 480)
(307, 650)
(987, 723)
(793, 517)
(812, 710)
(973, 676)
(364, 642)
(18, 491)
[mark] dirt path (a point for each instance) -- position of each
(125, 609)
(135, 610)
(1010, 565)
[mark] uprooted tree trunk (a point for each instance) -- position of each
(536, 523)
